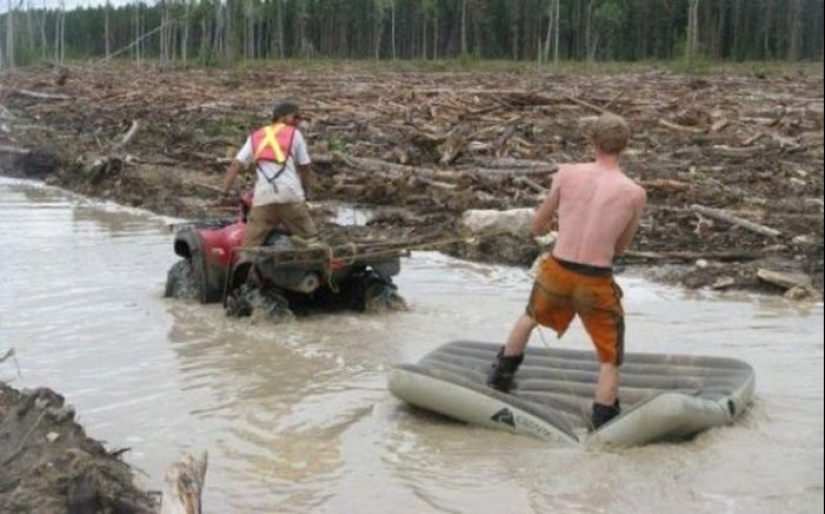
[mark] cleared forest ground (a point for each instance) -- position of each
(422, 147)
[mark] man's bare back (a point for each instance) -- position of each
(599, 211)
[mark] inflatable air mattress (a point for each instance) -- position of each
(664, 397)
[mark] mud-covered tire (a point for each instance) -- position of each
(237, 305)
(372, 294)
(383, 297)
(181, 281)
(247, 299)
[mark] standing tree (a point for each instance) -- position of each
(464, 49)
(553, 15)
(692, 45)
(795, 30)
(60, 34)
(107, 29)
(392, 23)
(9, 34)
(379, 13)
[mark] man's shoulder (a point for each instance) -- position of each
(570, 170)
(637, 190)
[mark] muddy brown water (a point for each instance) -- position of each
(297, 418)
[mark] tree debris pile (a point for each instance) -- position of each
(49, 465)
(733, 163)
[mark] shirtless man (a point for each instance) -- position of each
(599, 210)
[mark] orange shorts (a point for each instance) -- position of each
(564, 289)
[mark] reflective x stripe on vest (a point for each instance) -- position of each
(272, 143)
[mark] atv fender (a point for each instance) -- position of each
(210, 277)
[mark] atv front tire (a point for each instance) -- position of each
(181, 282)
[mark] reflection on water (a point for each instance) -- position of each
(297, 417)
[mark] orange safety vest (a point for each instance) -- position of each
(273, 143)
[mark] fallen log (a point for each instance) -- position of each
(130, 134)
(183, 486)
(666, 184)
(535, 186)
(16, 150)
(690, 256)
(727, 217)
(730, 151)
(681, 128)
(508, 163)
(436, 184)
(784, 279)
(392, 170)
(588, 105)
(41, 96)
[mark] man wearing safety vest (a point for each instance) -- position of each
(279, 153)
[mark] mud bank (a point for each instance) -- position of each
(49, 465)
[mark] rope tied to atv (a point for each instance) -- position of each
(327, 254)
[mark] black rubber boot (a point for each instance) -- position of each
(503, 371)
(602, 414)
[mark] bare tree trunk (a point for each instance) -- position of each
(551, 12)
(163, 30)
(2, 64)
(62, 32)
(206, 32)
(281, 40)
(435, 33)
(795, 30)
(43, 42)
(184, 49)
(378, 28)
(135, 26)
(463, 28)
(107, 30)
(558, 33)
(588, 33)
(229, 33)
(9, 34)
(57, 39)
(218, 46)
(302, 44)
(394, 50)
(424, 35)
(249, 31)
(513, 32)
(30, 41)
(692, 30)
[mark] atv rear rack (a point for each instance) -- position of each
(332, 255)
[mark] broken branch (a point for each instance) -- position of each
(727, 217)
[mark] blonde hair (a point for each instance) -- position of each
(611, 134)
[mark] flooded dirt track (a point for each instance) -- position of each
(297, 417)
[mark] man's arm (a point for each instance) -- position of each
(241, 161)
(307, 177)
(232, 174)
(544, 215)
(623, 244)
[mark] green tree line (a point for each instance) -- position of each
(231, 31)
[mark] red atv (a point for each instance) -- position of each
(282, 277)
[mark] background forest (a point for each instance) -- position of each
(215, 32)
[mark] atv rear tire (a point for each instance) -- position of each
(249, 298)
(181, 282)
(383, 297)
(373, 294)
